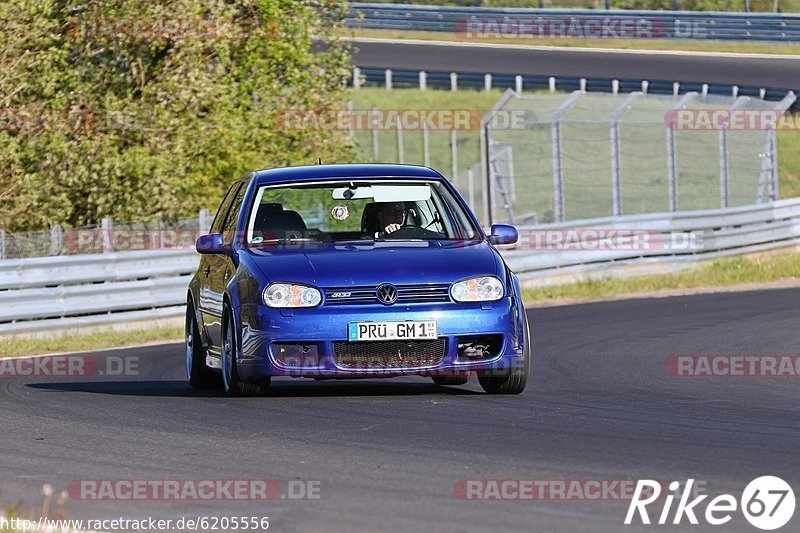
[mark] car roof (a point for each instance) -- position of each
(339, 172)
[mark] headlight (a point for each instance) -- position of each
(290, 295)
(482, 289)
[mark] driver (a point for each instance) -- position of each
(391, 216)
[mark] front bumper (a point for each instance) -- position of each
(263, 329)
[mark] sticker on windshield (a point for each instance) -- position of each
(257, 240)
(340, 212)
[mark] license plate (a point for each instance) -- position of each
(382, 331)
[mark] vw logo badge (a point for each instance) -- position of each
(387, 294)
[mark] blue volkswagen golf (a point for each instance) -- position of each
(351, 271)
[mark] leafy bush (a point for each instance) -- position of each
(137, 109)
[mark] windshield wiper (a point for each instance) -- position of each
(287, 240)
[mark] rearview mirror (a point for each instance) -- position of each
(503, 234)
(212, 243)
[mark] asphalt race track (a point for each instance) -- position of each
(758, 71)
(600, 406)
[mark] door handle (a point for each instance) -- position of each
(207, 271)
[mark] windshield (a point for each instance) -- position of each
(357, 210)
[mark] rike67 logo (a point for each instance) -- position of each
(767, 502)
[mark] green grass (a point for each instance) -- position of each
(92, 341)
(789, 163)
(720, 273)
(625, 44)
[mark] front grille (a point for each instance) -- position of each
(366, 294)
(381, 355)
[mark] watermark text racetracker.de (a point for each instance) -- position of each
(608, 239)
(567, 27)
(732, 366)
(194, 489)
(68, 366)
(550, 489)
(730, 119)
(184, 28)
(411, 119)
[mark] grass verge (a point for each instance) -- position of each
(720, 273)
(91, 341)
(620, 44)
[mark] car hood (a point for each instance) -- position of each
(372, 263)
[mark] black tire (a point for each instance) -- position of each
(198, 374)
(451, 381)
(231, 382)
(511, 381)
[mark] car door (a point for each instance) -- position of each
(212, 271)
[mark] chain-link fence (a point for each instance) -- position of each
(583, 155)
(107, 237)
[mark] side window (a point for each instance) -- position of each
(216, 226)
(229, 226)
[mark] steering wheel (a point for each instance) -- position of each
(411, 232)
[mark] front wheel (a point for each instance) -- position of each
(511, 381)
(231, 382)
(198, 374)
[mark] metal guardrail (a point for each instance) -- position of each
(371, 77)
(483, 22)
(57, 293)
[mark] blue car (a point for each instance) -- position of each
(353, 271)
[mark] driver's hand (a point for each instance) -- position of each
(392, 227)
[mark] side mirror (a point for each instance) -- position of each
(503, 234)
(213, 243)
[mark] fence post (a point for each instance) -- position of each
(724, 188)
(616, 168)
(616, 178)
(356, 78)
(374, 125)
(56, 239)
(160, 226)
(401, 156)
(724, 155)
(454, 152)
(471, 187)
(388, 79)
(351, 132)
(2, 244)
(204, 221)
(423, 80)
(672, 164)
(551, 84)
(487, 82)
(453, 81)
(518, 84)
(107, 226)
(426, 149)
(558, 169)
(773, 193)
(672, 170)
(486, 173)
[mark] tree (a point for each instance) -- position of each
(140, 109)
